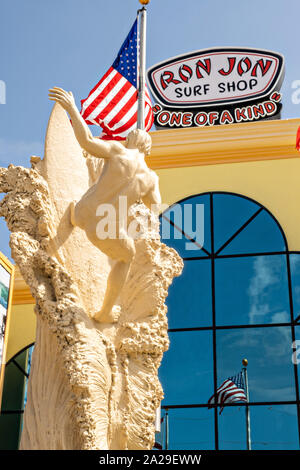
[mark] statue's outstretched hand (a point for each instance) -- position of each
(64, 98)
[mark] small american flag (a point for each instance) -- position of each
(112, 103)
(231, 391)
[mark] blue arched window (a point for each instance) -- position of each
(17, 371)
(238, 296)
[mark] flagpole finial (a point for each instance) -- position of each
(245, 362)
(144, 2)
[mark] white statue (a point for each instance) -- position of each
(125, 173)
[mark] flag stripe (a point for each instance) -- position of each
(224, 386)
(124, 130)
(107, 93)
(226, 390)
(94, 91)
(110, 74)
(230, 395)
(131, 121)
(129, 109)
(109, 101)
(121, 108)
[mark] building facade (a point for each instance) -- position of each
(238, 296)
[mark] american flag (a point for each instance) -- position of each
(112, 103)
(298, 139)
(232, 390)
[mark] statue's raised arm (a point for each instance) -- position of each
(86, 140)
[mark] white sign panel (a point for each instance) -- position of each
(216, 86)
(215, 76)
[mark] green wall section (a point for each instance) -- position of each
(13, 397)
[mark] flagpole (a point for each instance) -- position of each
(167, 429)
(142, 66)
(248, 430)
(158, 419)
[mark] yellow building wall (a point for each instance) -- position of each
(273, 183)
(257, 159)
(21, 329)
(22, 326)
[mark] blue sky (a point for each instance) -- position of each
(71, 43)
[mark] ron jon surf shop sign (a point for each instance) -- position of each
(216, 86)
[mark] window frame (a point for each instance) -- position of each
(213, 255)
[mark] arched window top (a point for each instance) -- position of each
(228, 225)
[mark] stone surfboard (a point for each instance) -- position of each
(67, 174)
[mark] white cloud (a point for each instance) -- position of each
(263, 276)
(268, 351)
(266, 275)
(260, 388)
(281, 317)
(294, 261)
(19, 152)
(261, 344)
